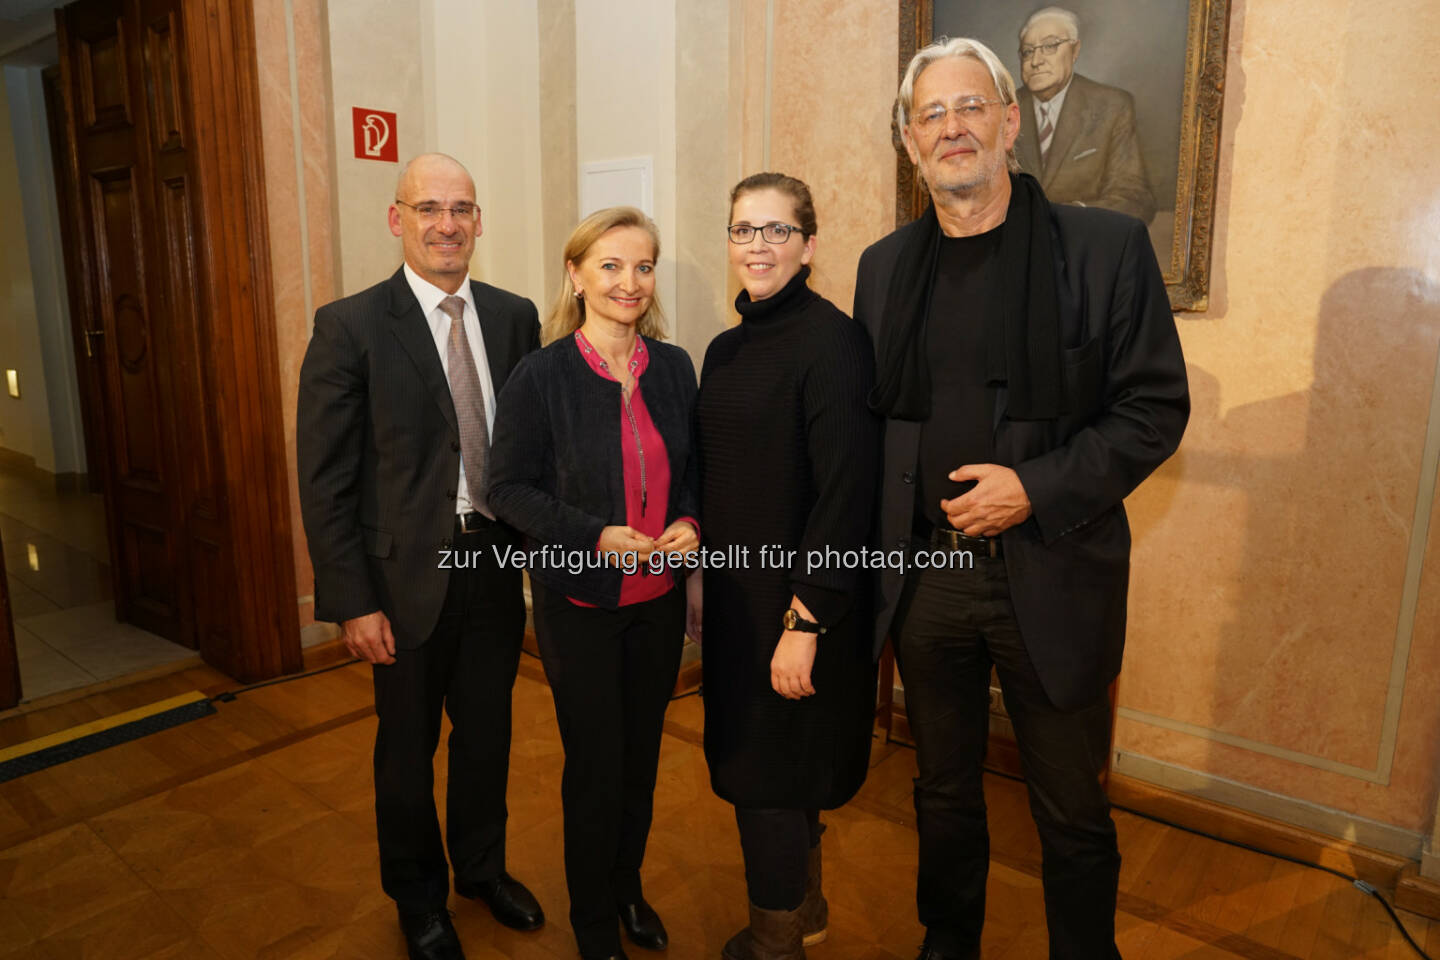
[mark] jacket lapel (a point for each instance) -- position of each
(407, 323)
(1073, 119)
(496, 334)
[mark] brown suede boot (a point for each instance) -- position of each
(772, 935)
(814, 912)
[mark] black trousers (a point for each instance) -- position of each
(612, 673)
(467, 668)
(952, 626)
(776, 845)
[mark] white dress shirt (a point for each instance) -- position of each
(430, 297)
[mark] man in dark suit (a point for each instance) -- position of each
(1077, 137)
(397, 394)
(1030, 374)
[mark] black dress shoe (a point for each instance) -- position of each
(642, 925)
(430, 936)
(507, 899)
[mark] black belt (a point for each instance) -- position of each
(952, 539)
(473, 522)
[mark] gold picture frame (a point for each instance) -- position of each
(1187, 272)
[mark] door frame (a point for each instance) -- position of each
(236, 319)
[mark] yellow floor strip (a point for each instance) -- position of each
(97, 726)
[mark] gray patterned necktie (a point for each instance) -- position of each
(1047, 133)
(469, 400)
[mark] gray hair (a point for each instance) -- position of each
(942, 49)
(958, 47)
(1072, 22)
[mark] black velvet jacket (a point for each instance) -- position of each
(556, 473)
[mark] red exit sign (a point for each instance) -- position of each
(375, 137)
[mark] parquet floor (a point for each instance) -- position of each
(249, 834)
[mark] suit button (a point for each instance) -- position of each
(450, 494)
(455, 445)
(908, 476)
(445, 543)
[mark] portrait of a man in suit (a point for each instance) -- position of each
(1077, 136)
(396, 403)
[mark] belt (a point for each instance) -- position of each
(952, 539)
(473, 522)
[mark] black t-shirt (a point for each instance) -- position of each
(960, 429)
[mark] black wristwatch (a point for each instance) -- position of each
(793, 621)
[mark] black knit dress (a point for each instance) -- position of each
(788, 453)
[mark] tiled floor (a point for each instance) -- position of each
(57, 566)
(250, 834)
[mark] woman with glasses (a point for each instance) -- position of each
(592, 462)
(788, 456)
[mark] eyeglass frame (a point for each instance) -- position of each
(790, 228)
(917, 118)
(440, 211)
(1048, 47)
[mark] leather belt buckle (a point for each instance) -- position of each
(955, 540)
(474, 522)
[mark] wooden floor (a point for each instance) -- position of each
(251, 834)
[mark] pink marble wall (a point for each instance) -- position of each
(283, 198)
(832, 86)
(1271, 553)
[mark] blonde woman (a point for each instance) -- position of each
(592, 462)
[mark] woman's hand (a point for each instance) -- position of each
(679, 537)
(694, 606)
(793, 659)
(622, 540)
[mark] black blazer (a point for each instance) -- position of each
(557, 474)
(379, 449)
(1128, 402)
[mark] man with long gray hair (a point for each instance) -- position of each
(1030, 374)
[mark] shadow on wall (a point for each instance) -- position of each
(1316, 493)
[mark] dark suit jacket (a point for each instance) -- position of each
(379, 449)
(1094, 157)
(1128, 402)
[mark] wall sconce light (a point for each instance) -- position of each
(12, 382)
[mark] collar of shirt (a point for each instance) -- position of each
(1052, 106)
(430, 295)
(639, 360)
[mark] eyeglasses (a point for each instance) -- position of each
(464, 212)
(1048, 48)
(770, 232)
(932, 116)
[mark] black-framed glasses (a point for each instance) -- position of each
(970, 110)
(771, 232)
(466, 212)
(1048, 48)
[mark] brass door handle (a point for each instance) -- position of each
(90, 336)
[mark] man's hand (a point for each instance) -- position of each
(623, 540)
(679, 537)
(369, 638)
(694, 606)
(996, 503)
(794, 656)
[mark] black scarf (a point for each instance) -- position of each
(1022, 339)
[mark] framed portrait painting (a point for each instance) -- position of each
(1120, 107)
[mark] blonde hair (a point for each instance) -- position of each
(567, 312)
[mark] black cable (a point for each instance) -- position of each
(1356, 882)
(229, 695)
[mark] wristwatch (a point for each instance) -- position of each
(793, 621)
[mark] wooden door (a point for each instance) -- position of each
(169, 295)
(125, 313)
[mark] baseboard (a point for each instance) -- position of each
(1418, 894)
(23, 464)
(1377, 867)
